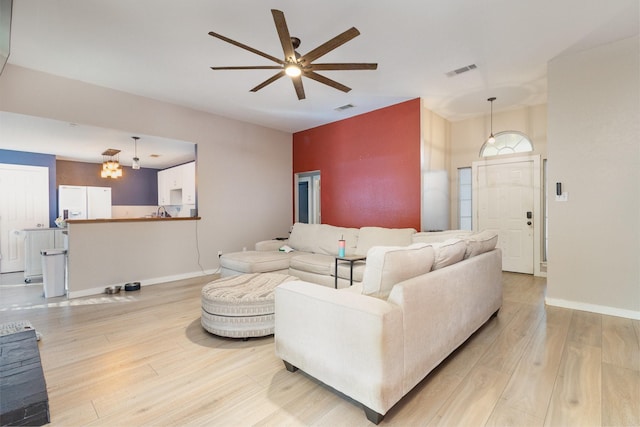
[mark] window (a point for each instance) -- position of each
(507, 142)
(464, 199)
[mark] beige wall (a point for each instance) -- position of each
(594, 150)
(243, 170)
(436, 176)
(467, 137)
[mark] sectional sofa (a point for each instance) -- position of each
(376, 340)
(314, 248)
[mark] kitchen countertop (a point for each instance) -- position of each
(152, 219)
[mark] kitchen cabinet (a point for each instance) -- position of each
(189, 183)
(163, 189)
(177, 185)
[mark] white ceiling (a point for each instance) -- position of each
(78, 142)
(160, 49)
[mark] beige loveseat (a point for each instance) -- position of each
(375, 341)
(315, 247)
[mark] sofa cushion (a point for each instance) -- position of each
(484, 241)
(448, 252)
(378, 236)
(388, 265)
(313, 263)
(322, 238)
(256, 261)
(439, 236)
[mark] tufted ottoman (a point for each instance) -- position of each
(241, 306)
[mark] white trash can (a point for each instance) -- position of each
(53, 266)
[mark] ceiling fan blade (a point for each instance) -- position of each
(256, 67)
(244, 46)
(327, 47)
(322, 79)
(297, 84)
(349, 66)
(268, 81)
(283, 33)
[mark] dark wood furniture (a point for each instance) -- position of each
(23, 391)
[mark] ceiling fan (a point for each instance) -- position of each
(295, 65)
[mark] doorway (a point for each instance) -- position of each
(307, 197)
(24, 204)
(506, 199)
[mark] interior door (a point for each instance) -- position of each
(307, 197)
(24, 204)
(504, 196)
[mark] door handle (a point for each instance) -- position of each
(529, 214)
(528, 222)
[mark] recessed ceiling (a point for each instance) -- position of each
(161, 49)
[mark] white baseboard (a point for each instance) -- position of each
(600, 309)
(145, 282)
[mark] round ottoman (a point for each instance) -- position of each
(241, 306)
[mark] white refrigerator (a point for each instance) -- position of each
(80, 202)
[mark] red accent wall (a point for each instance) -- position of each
(369, 167)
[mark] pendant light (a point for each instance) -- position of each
(110, 164)
(136, 161)
(492, 138)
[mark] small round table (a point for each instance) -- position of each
(241, 306)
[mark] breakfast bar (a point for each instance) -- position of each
(108, 252)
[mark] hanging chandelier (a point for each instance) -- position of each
(110, 164)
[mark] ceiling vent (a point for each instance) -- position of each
(461, 70)
(345, 107)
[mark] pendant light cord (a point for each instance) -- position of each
(491, 139)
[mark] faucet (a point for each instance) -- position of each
(163, 214)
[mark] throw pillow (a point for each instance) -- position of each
(479, 243)
(448, 252)
(388, 265)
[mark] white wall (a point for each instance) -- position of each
(594, 151)
(243, 170)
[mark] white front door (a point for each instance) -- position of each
(504, 202)
(24, 203)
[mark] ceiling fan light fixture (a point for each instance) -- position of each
(292, 70)
(296, 65)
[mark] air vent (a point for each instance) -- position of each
(461, 70)
(345, 107)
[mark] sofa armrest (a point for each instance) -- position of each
(350, 341)
(270, 245)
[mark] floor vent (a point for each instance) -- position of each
(345, 107)
(461, 70)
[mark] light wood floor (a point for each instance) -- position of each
(142, 358)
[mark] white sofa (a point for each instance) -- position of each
(315, 247)
(375, 341)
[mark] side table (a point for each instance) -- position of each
(350, 259)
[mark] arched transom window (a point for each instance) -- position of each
(507, 142)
